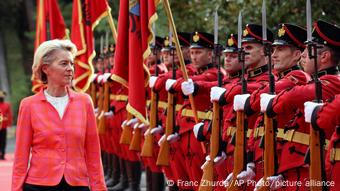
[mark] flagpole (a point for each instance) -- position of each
(181, 58)
(179, 53)
(112, 25)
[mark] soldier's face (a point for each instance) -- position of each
(285, 57)
(200, 57)
(152, 58)
(254, 54)
(112, 61)
(306, 63)
(186, 53)
(323, 60)
(166, 57)
(106, 63)
(231, 64)
(100, 65)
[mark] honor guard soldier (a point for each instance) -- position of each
(155, 57)
(118, 105)
(201, 51)
(158, 84)
(5, 122)
(287, 49)
(257, 77)
(292, 165)
(327, 117)
(111, 134)
(202, 130)
(154, 174)
(129, 161)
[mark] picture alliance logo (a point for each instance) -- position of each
(224, 183)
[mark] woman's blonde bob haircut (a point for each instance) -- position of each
(44, 55)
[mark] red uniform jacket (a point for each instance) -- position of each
(160, 67)
(201, 99)
(254, 82)
(163, 94)
(292, 101)
(206, 87)
(6, 115)
(66, 147)
(288, 81)
(328, 119)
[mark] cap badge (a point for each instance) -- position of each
(281, 32)
(230, 42)
(245, 32)
(166, 41)
(196, 37)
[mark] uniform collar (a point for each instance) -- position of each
(329, 71)
(257, 71)
(235, 75)
(186, 62)
(284, 73)
(42, 97)
(204, 68)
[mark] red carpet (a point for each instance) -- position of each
(6, 172)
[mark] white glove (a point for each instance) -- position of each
(93, 77)
(207, 160)
(96, 110)
(188, 87)
(309, 108)
(217, 160)
(216, 93)
(240, 101)
(141, 126)
(106, 76)
(274, 182)
(110, 113)
(100, 78)
(147, 132)
(135, 126)
(132, 122)
(247, 174)
(169, 83)
(124, 124)
(157, 130)
(265, 99)
(172, 138)
(152, 81)
(161, 140)
(197, 127)
(228, 179)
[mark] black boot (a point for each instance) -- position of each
(157, 181)
(133, 170)
(148, 175)
(173, 188)
(108, 167)
(115, 171)
(123, 181)
(104, 162)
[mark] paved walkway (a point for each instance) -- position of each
(6, 165)
(6, 172)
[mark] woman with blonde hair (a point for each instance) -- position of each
(57, 145)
